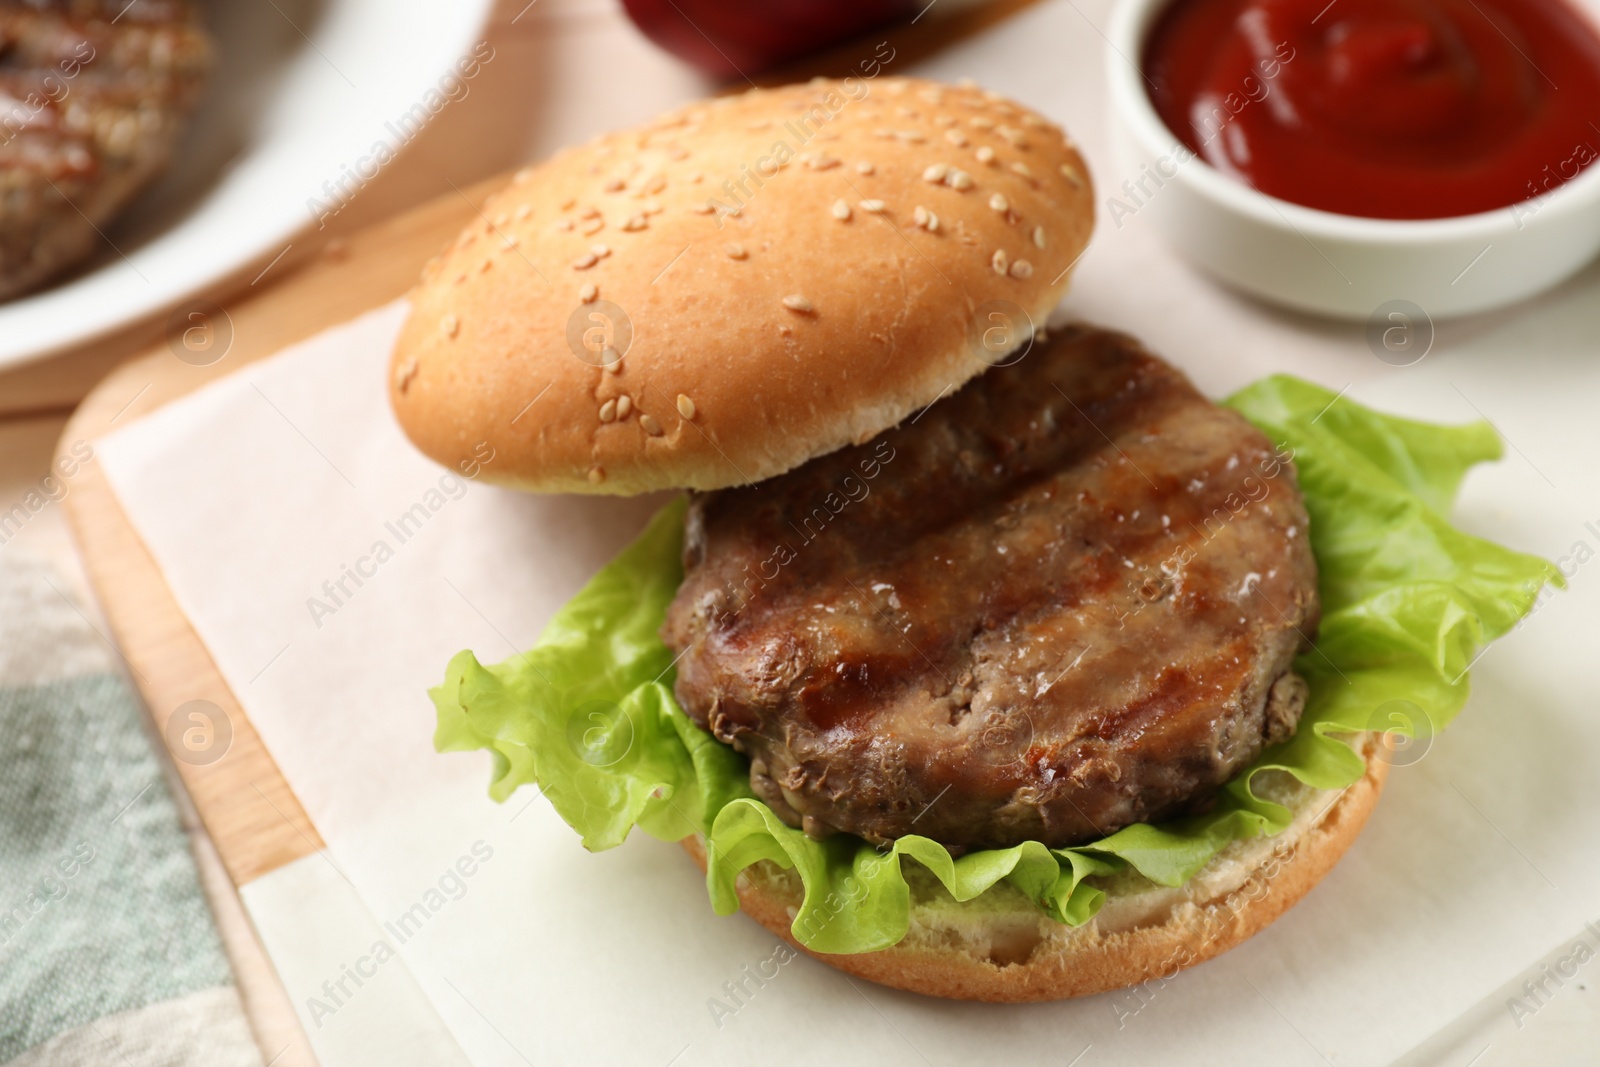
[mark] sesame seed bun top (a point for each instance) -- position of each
(741, 285)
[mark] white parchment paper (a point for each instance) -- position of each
(263, 494)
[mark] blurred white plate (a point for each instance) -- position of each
(302, 92)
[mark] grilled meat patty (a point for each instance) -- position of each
(93, 95)
(1063, 600)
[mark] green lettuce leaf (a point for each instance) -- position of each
(1408, 601)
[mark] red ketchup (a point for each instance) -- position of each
(1393, 109)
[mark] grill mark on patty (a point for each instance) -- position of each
(966, 637)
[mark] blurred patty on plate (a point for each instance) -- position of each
(93, 97)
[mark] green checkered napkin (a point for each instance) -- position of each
(108, 952)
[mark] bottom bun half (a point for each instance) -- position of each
(1001, 947)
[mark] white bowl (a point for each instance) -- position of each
(1318, 261)
(302, 92)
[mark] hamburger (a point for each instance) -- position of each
(981, 659)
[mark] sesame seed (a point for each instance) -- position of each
(985, 154)
(696, 178)
(636, 222)
(589, 213)
(1038, 236)
(588, 292)
(956, 137)
(461, 278)
(651, 207)
(999, 203)
(651, 426)
(596, 475)
(798, 303)
(677, 153)
(524, 211)
(1013, 136)
(823, 163)
(600, 251)
(593, 226)
(450, 325)
(945, 120)
(998, 261)
(1022, 168)
(1034, 121)
(872, 207)
(959, 179)
(935, 173)
(1022, 269)
(611, 359)
(567, 204)
(615, 185)
(841, 210)
(404, 374)
(624, 406)
(608, 411)
(702, 209)
(509, 243)
(564, 224)
(864, 167)
(585, 261)
(685, 406)
(483, 268)
(910, 137)
(978, 122)
(919, 215)
(736, 251)
(1069, 172)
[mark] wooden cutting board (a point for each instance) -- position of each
(248, 809)
(252, 817)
